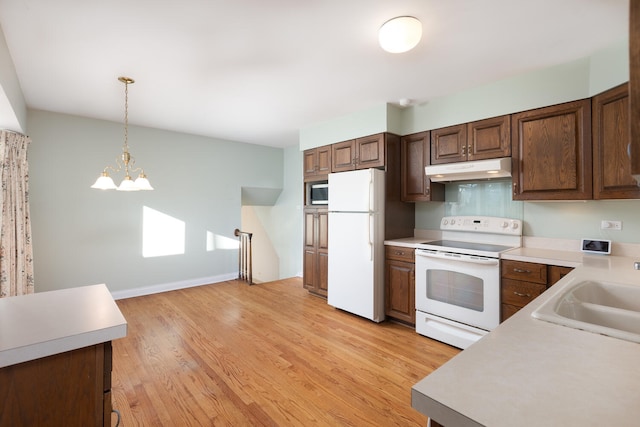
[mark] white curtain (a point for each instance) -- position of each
(16, 252)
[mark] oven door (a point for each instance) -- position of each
(461, 288)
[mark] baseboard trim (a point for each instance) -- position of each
(164, 287)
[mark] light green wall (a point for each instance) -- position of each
(283, 221)
(84, 236)
(574, 220)
(577, 79)
(361, 123)
(561, 220)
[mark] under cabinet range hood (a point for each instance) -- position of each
(467, 171)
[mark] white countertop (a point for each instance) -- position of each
(548, 256)
(528, 372)
(407, 242)
(42, 324)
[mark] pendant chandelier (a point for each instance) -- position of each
(125, 162)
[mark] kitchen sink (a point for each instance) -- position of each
(606, 308)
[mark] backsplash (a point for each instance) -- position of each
(558, 220)
(485, 198)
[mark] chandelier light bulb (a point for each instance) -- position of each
(400, 34)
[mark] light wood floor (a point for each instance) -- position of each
(271, 354)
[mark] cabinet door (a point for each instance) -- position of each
(556, 273)
(551, 153)
(489, 139)
(611, 167)
(343, 156)
(634, 86)
(310, 162)
(323, 274)
(414, 156)
(400, 291)
(316, 250)
(370, 152)
(449, 145)
(309, 269)
(324, 159)
(309, 228)
(64, 389)
(310, 252)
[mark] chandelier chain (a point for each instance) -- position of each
(126, 115)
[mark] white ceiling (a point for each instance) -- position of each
(257, 71)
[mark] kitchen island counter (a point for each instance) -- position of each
(529, 372)
(47, 323)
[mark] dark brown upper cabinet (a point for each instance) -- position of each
(611, 167)
(360, 153)
(634, 85)
(317, 163)
(551, 152)
(414, 156)
(482, 139)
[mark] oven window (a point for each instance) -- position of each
(455, 288)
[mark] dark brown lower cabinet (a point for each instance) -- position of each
(67, 389)
(400, 299)
(521, 282)
(316, 250)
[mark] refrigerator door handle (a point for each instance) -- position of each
(371, 191)
(370, 236)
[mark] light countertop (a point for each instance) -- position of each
(407, 242)
(529, 372)
(42, 324)
(548, 256)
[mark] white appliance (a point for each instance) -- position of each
(458, 278)
(356, 242)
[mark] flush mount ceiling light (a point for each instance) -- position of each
(125, 162)
(400, 34)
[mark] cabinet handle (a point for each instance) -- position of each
(515, 188)
(464, 149)
(522, 295)
(399, 253)
(517, 270)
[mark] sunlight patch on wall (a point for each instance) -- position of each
(216, 241)
(162, 234)
(210, 242)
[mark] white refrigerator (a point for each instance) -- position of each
(356, 242)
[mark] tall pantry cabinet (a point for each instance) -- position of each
(381, 151)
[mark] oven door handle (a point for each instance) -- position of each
(457, 257)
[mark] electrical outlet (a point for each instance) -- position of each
(610, 225)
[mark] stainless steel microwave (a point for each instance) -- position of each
(318, 193)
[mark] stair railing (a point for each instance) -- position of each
(244, 255)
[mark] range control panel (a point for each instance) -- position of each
(482, 224)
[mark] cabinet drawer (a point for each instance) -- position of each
(528, 271)
(518, 293)
(400, 253)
